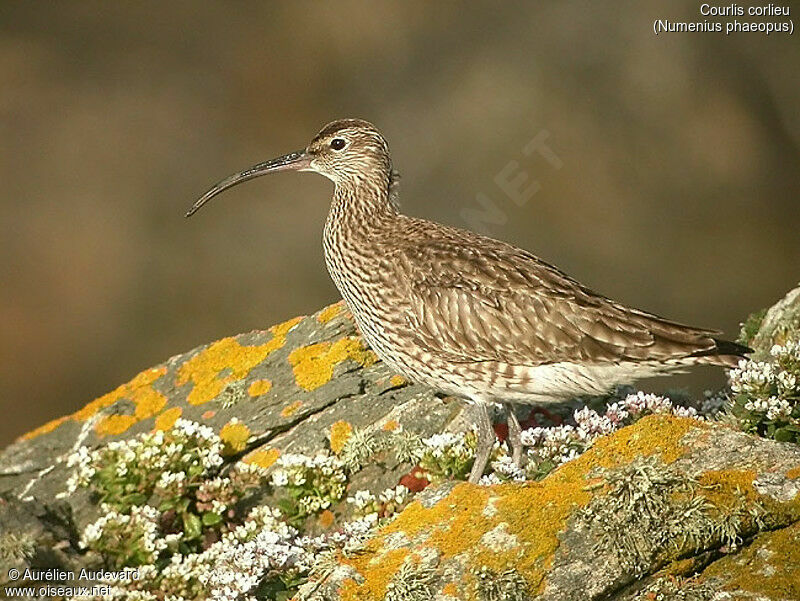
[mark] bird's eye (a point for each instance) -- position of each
(337, 143)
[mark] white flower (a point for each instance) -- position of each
(280, 478)
(397, 495)
(778, 409)
(361, 499)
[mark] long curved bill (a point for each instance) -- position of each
(294, 161)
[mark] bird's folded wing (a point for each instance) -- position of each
(507, 305)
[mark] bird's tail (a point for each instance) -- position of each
(724, 353)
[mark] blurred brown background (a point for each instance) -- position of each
(678, 191)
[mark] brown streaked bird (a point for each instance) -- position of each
(466, 314)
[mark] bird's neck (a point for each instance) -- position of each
(362, 203)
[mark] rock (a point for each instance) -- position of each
(666, 497)
(774, 325)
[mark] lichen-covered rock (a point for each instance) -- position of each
(298, 387)
(266, 392)
(640, 501)
(670, 507)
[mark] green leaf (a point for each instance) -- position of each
(192, 527)
(211, 518)
(783, 435)
(135, 499)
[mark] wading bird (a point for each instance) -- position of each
(469, 315)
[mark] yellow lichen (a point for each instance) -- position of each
(330, 312)
(280, 330)
(682, 567)
(262, 457)
(794, 473)
(450, 589)
(147, 403)
(397, 381)
(291, 409)
(380, 569)
(114, 424)
(769, 567)
(340, 432)
(202, 370)
(44, 428)
(259, 387)
(723, 487)
(167, 419)
(227, 357)
(348, 590)
(234, 435)
(534, 513)
(651, 435)
(457, 524)
(313, 364)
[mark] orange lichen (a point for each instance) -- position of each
(291, 409)
(44, 428)
(793, 473)
(259, 387)
(167, 419)
(326, 519)
(139, 391)
(330, 312)
(262, 457)
(340, 432)
(391, 425)
(114, 424)
(234, 435)
(208, 414)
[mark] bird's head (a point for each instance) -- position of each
(349, 152)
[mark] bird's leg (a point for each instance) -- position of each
(514, 435)
(485, 442)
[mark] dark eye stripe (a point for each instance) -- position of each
(337, 143)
